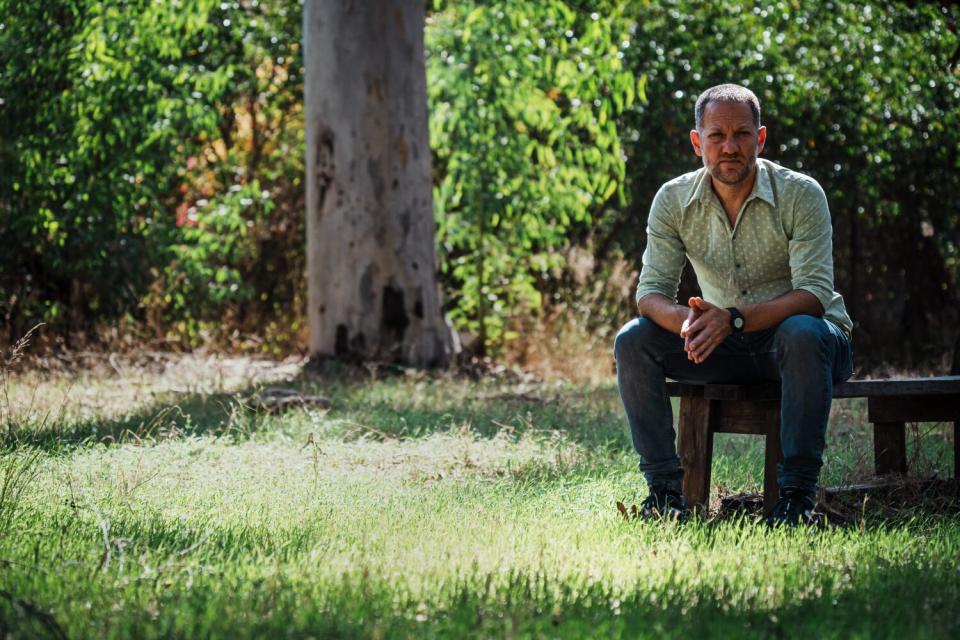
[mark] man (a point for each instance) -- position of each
(759, 239)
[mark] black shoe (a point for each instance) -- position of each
(794, 507)
(663, 504)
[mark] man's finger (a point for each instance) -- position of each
(704, 351)
(693, 340)
(704, 343)
(692, 330)
(701, 304)
(703, 323)
(698, 332)
(710, 316)
(697, 325)
(692, 315)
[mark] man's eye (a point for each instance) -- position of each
(715, 136)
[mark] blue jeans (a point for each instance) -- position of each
(807, 355)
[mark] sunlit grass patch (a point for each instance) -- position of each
(424, 506)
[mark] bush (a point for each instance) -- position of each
(524, 99)
(130, 132)
(151, 157)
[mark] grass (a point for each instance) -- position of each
(140, 501)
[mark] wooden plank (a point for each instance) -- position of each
(744, 416)
(683, 390)
(889, 447)
(940, 385)
(766, 391)
(695, 446)
(772, 458)
(940, 408)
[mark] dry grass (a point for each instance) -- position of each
(559, 348)
(108, 386)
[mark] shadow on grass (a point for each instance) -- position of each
(185, 414)
(415, 406)
(383, 405)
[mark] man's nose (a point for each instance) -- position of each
(728, 146)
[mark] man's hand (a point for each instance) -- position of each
(707, 325)
(692, 314)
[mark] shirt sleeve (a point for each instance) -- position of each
(665, 253)
(811, 247)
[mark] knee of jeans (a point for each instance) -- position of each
(802, 334)
(632, 337)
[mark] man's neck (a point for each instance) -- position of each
(732, 196)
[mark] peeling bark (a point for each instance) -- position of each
(371, 273)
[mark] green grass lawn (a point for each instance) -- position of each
(148, 501)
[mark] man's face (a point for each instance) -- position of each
(729, 142)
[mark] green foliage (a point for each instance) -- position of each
(151, 155)
(215, 242)
(116, 118)
(524, 99)
(97, 98)
(236, 259)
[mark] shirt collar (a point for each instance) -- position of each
(762, 187)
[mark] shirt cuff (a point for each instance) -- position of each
(647, 288)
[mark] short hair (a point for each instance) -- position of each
(727, 93)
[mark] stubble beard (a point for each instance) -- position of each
(731, 176)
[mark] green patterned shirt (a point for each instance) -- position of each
(781, 242)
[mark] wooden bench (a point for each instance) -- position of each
(755, 409)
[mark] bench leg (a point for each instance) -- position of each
(773, 457)
(695, 446)
(889, 447)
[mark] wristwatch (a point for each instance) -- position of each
(736, 320)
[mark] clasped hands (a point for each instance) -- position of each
(706, 326)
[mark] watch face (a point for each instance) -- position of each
(738, 323)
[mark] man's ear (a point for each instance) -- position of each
(695, 141)
(761, 138)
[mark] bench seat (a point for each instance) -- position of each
(755, 409)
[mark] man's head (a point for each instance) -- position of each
(727, 93)
(728, 135)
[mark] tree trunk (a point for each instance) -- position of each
(372, 287)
